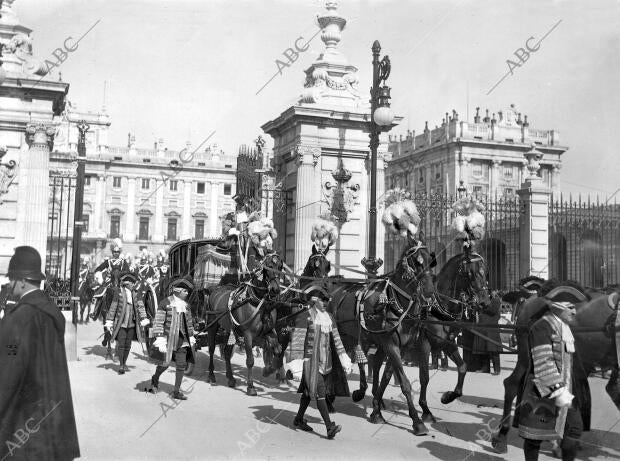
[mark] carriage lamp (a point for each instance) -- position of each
(381, 121)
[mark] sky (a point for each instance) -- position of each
(179, 69)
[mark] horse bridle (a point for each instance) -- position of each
(468, 298)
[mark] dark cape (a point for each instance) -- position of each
(36, 407)
(485, 317)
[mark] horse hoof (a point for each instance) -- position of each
(499, 444)
(450, 396)
(428, 418)
(251, 391)
(420, 429)
(211, 379)
(377, 418)
(232, 382)
(358, 395)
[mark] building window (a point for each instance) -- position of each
(172, 228)
(201, 164)
(146, 183)
(200, 229)
(87, 180)
(173, 203)
(477, 190)
(116, 182)
(86, 219)
(227, 189)
(509, 191)
(476, 169)
(115, 227)
(508, 171)
(143, 232)
(173, 185)
(200, 188)
(421, 175)
(146, 160)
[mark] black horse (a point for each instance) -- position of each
(246, 310)
(388, 310)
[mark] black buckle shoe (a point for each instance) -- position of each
(154, 385)
(333, 430)
(178, 395)
(121, 370)
(302, 424)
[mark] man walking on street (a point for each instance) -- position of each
(326, 363)
(174, 333)
(36, 408)
(126, 318)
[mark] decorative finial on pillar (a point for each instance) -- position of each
(332, 24)
(533, 157)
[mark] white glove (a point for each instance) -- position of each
(161, 343)
(563, 398)
(192, 341)
(109, 324)
(345, 361)
(144, 322)
(233, 231)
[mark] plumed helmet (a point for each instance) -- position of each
(161, 256)
(25, 264)
(117, 245)
(85, 260)
(144, 255)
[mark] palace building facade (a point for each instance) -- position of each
(487, 155)
(148, 197)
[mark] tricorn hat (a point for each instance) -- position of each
(317, 289)
(184, 282)
(128, 277)
(25, 264)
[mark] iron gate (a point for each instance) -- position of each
(584, 242)
(499, 248)
(59, 235)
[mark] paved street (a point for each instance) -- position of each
(117, 420)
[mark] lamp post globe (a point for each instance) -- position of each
(383, 116)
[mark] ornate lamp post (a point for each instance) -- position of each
(380, 118)
(77, 220)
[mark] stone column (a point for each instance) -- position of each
(33, 190)
(213, 218)
(158, 235)
(187, 197)
(555, 179)
(494, 177)
(130, 226)
(534, 227)
(305, 210)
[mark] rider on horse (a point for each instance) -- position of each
(144, 270)
(103, 272)
(85, 287)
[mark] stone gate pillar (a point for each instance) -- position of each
(307, 207)
(33, 192)
(534, 227)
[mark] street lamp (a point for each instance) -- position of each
(381, 116)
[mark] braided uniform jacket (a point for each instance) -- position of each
(552, 366)
(167, 323)
(116, 312)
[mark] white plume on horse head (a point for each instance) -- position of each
(401, 214)
(262, 232)
(324, 233)
(469, 221)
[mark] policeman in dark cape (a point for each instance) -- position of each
(36, 408)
